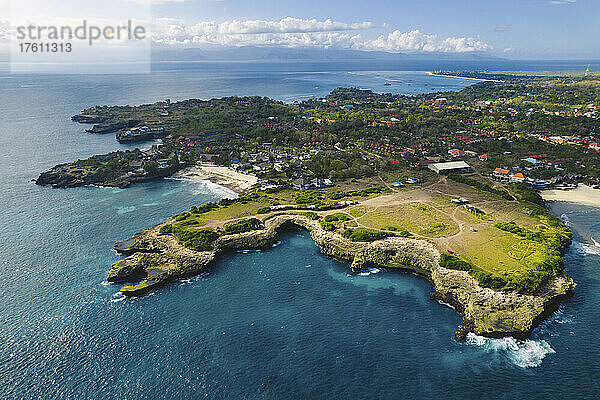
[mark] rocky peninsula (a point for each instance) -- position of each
(161, 258)
(117, 169)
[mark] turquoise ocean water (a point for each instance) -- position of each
(286, 322)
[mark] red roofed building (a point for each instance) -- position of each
(501, 174)
(456, 153)
(518, 177)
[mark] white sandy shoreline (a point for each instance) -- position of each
(583, 194)
(223, 176)
(463, 77)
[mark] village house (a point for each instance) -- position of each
(517, 178)
(456, 153)
(501, 174)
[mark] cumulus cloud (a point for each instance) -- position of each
(220, 31)
(296, 32)
(290, 32)
(416, 41)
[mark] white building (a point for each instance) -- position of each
(455, 167)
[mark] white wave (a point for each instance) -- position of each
(524, 354)
(206, 184)
(587, 248)
(446, 304)
(276, 243)
(106, 283)
(566, 220)
(221, 191)
(200, 277)
(369, 271)
(117, 297)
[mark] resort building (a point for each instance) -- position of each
(456, 167)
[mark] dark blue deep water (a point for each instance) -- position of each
(283, 323)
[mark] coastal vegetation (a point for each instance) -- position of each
(484, 278)
(243, 225)
(194, 239)
(364, 235)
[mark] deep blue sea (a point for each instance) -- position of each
(285, 323)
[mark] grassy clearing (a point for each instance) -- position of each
(358, 212)
(418, 218)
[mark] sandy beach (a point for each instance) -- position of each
(463, 77)
(582, 195)
(223, 176)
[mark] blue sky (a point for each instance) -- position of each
(516, 29)
(525, 29)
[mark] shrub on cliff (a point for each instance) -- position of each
(511, 227)
(243, 225)
(364, 235)
(166, 229)
(337, 217)
(484, 278)
(310, 214)
(204, 208)
(195, 239)
(201, 240)
(328, 226)
(338, 195)
(182, 216)
(526, 194)
(264, 210)
(314, 197)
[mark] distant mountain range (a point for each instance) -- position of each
(250, 53)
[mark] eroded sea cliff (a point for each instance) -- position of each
(494, 313)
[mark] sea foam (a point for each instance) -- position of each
(524, 354)
(587, 248)
(117, 297)
(369, 271)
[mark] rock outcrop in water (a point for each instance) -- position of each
(110, 127)
(162, 258)
(63, 176)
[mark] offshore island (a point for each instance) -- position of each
(443, 185)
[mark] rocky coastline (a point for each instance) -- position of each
(61, 176)
(487, 312)
(110, 127)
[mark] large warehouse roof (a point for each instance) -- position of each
(449, 166)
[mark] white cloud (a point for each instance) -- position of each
(415, 41)
(562, 1)
(287, 25)
(296, 32)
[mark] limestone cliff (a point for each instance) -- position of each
(485, 311)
